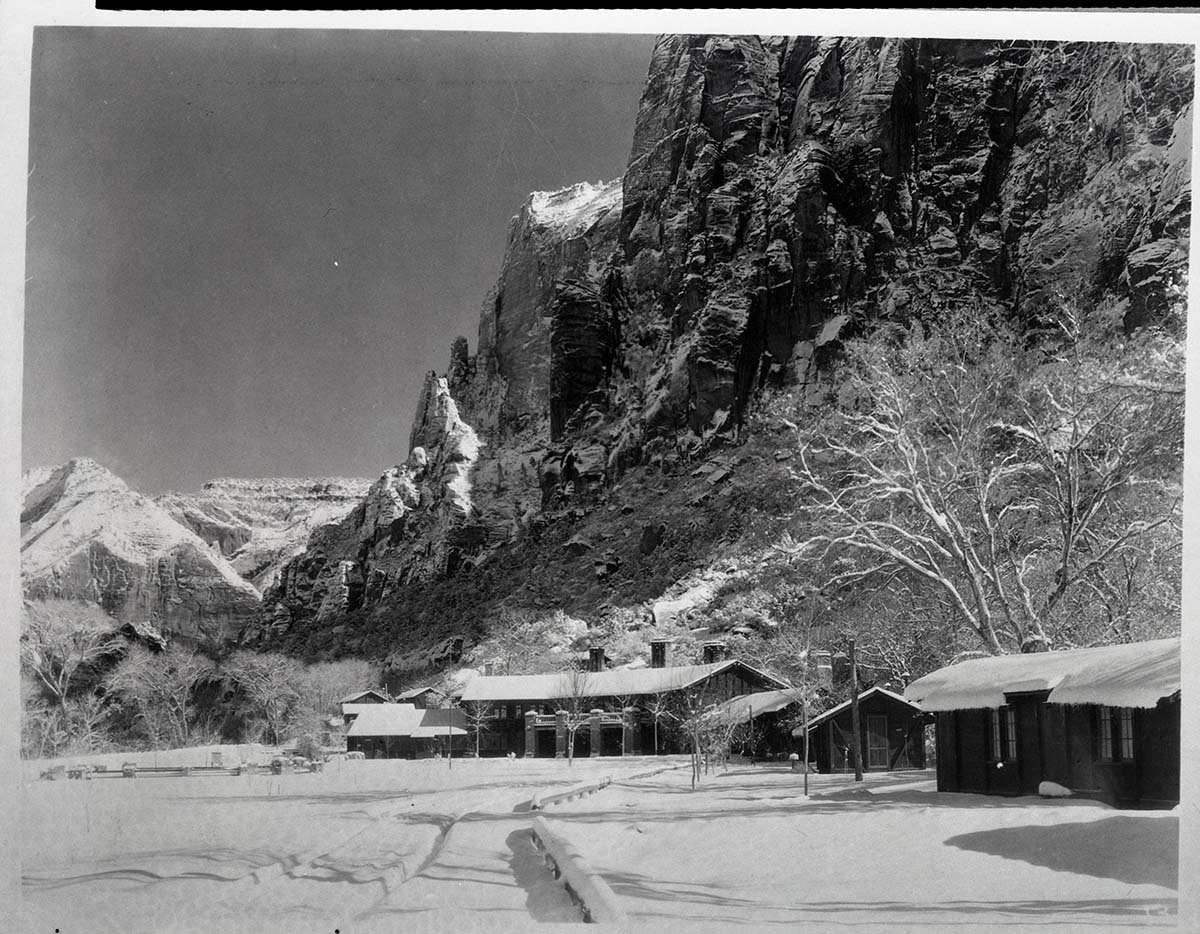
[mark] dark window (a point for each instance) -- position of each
(1003, 735)
(1115, 734)
(1010, 733)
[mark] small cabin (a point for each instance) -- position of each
(891, 734)
(422, 698)
(402, 731)
(1102, 722)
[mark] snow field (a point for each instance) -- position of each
(747, 849)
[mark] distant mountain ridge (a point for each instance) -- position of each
(187, 563)
(259, 524)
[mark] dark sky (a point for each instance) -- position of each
(246, 247)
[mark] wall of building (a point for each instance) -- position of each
(1059, 744)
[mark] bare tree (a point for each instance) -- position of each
(479, 716)
(660, 707)
(270, 682)
(159, 687)
(63, 641)
(696, 706)
(575, 705)
(1001, 477)
(322, 685)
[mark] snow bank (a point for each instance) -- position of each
(596, 899)
(1139, 674)
(543, 800)
(1054, 790)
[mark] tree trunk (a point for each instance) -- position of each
(856, 742)
(804, 714)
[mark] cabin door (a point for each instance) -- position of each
(877, 742)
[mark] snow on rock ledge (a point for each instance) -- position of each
(575, 206)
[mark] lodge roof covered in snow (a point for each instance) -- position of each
(618, 682)
(1138, 674)
(407, 720)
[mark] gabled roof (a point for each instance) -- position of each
(1138, 674)
(618, 682)
(752, 705)
(816, 721)
(356, 697)
(416, 692)
(407, 720)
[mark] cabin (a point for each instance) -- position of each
(404, 731)
(891, 734)
(625, 709)
(369, 696)
(421, 697)
(1102, 722)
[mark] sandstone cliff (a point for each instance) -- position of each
(780, 195)
(85, 535)
(259, 524)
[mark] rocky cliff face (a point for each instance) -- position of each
(259, 524)
(85, 535)
(780, 195)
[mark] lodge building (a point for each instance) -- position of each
(1102, 722)
(528, 715)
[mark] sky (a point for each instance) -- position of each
(247, 247)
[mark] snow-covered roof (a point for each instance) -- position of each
(820, 718)
(1138, 674)
(618, 682)
(353, 710)
(752, 705)
(440, 722)
(352, 698)
(407, 720)
(416, 692)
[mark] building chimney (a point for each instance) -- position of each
(488, 668)
(714, 652)
(595, 658)
(658, 653)
(824, 664)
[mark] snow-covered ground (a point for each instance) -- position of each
(303, 852)
(748, 849)
(385, 845)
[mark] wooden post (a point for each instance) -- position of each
(804, 714)
(855, 727)
(450, 742)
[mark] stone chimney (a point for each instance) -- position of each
(823, 663)
(595, 658)
(488, 669)
(714, 652)
(658, 653)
